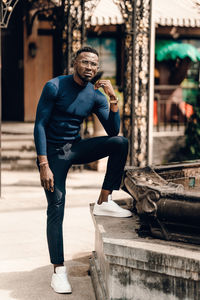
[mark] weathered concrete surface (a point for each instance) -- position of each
(125, 266)
(25, 270)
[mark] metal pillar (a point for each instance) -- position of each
(141, 82)
(74, 31)
(151, 84)
(137, 125)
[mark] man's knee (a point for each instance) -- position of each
(121, 141)
(119, 145)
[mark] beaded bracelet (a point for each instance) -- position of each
(43, 163)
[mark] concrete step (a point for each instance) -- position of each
(18, 160)
(18, 153)
(18, 149)
(25, 164)
(20, 145)
(16, 137)
(15, 155)
(17, 128)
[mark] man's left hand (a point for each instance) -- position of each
(107, 86)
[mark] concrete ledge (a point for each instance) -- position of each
(97, 280)
(126, 266)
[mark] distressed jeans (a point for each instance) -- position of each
(61, 158)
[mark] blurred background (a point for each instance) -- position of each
(42, 35)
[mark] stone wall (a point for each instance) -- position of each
(166, 148)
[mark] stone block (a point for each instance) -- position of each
(126, 266)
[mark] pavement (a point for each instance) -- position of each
(25, 269)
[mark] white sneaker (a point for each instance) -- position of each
(59, 281)
(111, 208)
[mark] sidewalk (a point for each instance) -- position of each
(25, 271)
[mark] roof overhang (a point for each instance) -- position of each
(106, 13)
(183, 13)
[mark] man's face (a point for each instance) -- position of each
(86, 66)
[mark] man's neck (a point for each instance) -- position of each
(78, 80)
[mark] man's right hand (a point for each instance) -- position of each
(46, 177)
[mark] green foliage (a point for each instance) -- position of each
(192, 133)
(191, 149)
(168, 49)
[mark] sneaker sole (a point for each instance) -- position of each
(117, 215)
(61, 292)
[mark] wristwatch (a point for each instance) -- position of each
(114, 100)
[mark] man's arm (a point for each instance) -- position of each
(109, 117)
(43, 114)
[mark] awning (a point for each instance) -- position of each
(106, 13)
(183, 13)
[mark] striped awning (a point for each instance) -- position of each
(184, 13)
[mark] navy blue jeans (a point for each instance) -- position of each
(61, 158)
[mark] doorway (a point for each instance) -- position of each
(12, 68)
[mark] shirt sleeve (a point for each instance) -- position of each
(43, 113)
(109, 119)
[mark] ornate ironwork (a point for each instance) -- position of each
(74, 30)
(6, 9)
(141, 66)
(69, 17)
(33, 8)
(77, 16)
(137, 16)
(126, 8)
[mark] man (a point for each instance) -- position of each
(63, 105)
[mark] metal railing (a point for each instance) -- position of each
(171, 113)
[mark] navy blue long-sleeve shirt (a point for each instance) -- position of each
(62, 107)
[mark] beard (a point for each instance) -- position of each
(84, 79)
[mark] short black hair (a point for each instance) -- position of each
(86, 49)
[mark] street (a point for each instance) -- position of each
(25, 271)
